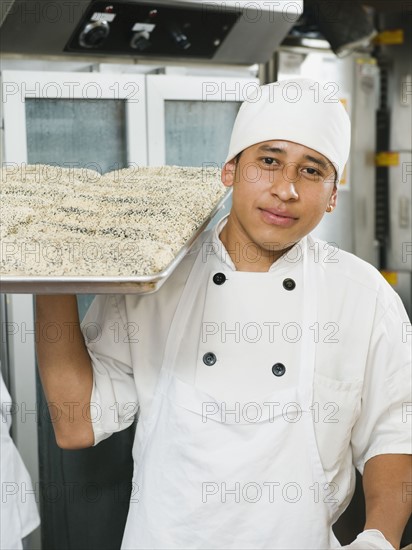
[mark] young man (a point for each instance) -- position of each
(266, 368)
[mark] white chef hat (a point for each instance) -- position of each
(300, 110)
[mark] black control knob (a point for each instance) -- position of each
(140, 41)
(178, 36)
(94, 34)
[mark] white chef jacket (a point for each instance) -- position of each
(18, 510)
(362, 397)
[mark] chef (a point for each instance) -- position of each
(265, 370)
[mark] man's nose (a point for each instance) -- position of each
(284, 183)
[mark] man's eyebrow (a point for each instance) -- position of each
(270, 149)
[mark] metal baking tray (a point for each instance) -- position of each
(144, 284)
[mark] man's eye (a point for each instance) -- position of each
(312, 171)
(269, 160)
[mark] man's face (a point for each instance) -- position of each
(281, 191)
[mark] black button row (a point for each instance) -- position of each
(220, 279)
(209, 359)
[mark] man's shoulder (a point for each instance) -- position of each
(346, 270)
(356, 287)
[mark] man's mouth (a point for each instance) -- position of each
(274, 216)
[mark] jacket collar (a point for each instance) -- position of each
(293, 256)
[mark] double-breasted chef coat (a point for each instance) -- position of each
(258, 394)
(18, 509)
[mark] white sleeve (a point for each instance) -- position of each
(18, 508)
(114, 396)
(385, 422)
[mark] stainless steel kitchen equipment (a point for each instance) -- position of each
(224, 32)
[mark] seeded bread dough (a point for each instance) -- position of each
(75, 222)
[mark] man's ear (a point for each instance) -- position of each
(228, 173)
(334, 197)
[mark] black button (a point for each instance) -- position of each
(278, 369)
(219, 278)
(209, 359)
(289, 284)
